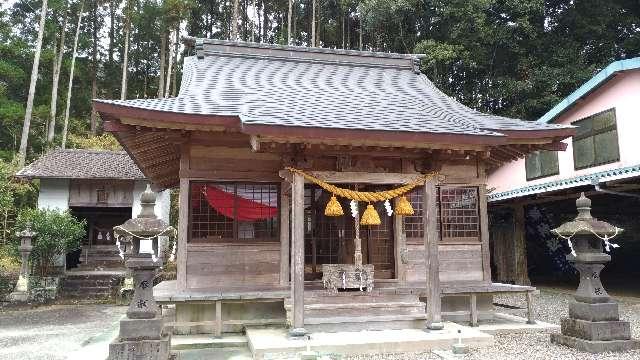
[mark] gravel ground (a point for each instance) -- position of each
(550, 306)
(52, 332)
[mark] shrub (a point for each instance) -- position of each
(58, 232)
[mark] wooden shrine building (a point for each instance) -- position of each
(254, 137)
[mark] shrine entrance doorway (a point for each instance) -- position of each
(329, 240)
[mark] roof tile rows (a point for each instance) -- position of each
(338, 90)
(82, 164)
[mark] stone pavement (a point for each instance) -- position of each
(57, 331)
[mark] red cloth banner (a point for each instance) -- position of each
(247, 210)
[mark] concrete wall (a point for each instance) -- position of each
(163, 201)
(54, 194)
(162, 208)
(622, 93)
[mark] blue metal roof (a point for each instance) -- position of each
(595, 82)
(602, 176)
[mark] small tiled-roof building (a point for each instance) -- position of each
(103, 187)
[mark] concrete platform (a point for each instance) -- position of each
(265, 342)
(507, 323)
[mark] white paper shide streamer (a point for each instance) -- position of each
(387, 206)
(354, 208)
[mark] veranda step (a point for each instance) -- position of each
(363, 306)
(207, 341)
(363, 319)
(360, 323)
(351, 298)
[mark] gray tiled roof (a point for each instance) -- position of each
(82, 164)
(291, 86)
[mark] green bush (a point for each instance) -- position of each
(58, 232)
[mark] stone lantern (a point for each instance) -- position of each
(21, 291)
(141, 331)
(594, 323)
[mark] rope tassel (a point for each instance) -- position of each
(370, 216)
(403, 207)
(333, 207)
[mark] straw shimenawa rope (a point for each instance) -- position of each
(367, 196)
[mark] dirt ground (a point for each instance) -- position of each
(53, 332)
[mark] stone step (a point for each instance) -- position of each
(360, 323)
(207, 341)
(239, 353)
(351, 297)
(356, 309)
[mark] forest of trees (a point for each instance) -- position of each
(510, 57)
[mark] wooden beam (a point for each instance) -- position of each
(116, 126)
(434, 292)
(555, 146)
(347, 177)
(297, 234)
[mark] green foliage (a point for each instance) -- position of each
(509, 57)
(57, 233)
(100, 142)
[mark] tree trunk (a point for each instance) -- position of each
(125, 60)
(289, 22)
(360, 28)
(175, 61)
(167, 87)
(235, 20)
(343, 21)
(22, 152)
(112, 28)
(73, 64)
(313, 24)
(56, 80)
(163, 55)
(265, 21)
(94, 67)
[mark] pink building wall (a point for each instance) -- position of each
(622, 93)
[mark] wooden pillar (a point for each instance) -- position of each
(218, 330)
(183, 221)
(521, 273)
(484, 234)
(297, 235)
(285, 208)
(400, 246)
(183, 235)
(429, 219)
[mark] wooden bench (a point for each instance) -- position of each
(472, 292)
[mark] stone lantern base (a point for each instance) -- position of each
(157, 349)
(21, 291)
(141, 337)
(595, 328)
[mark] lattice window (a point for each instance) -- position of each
(413, 225)
(459, 216)
(228, 212)
(102, 196)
